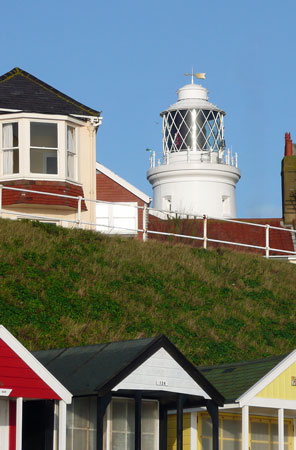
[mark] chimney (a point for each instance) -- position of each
(288, 145)
(289, 181)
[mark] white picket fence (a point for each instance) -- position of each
(144, 230)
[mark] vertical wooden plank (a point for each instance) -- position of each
(62, 425)
(138, 420)
(281, 428)
(180, 422)
(193, 431)
(19, 423)
(12, 424)
(212, 408)
(245, 427)
(163, 427)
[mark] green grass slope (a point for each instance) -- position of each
(63, 287)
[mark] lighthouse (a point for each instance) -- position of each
(197, 174)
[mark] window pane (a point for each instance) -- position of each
(71, 143)
(44, 134)
(148, 442)
(92, 440)
(118, 415)
(131, 417)
(259, 446)
(118, 441)
(70, 165)
(43, 161)
(81, 411)
(149, 415)
(130, 441)
(93, 413)
(259, 431)
(231, 445)
(232, 429)
(10, 135)
(206, 444)
(79, 439)
(206, 427)
(11, 161)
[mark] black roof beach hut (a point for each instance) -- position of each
(141, 380)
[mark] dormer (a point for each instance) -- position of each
(47, 139)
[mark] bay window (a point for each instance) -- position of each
(10, 143)
(43, 148)
(35, 149)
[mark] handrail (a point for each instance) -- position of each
(145, 230)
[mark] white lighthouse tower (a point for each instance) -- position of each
(196, 175)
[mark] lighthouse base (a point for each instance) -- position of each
(195, 189)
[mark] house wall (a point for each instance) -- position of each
(172, 432)
(54, 207)
(109, 191)
(282, 386)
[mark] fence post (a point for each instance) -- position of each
(145, 221)
(205, 231)
(79, 212)
(267, 227)
(1, 190)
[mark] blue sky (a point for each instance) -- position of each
(128, 58)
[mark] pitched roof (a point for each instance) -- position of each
(233, 380)
(19, 90)
(99, 368)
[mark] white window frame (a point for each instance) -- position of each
(73, 154)
(23, 120)
(10, 149)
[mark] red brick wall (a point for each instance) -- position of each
(54, 187)
(110, 191)
(224, 231)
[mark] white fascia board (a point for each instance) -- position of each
(123, 182)
(35, 365)
(277, 403)
(268, 378)
(41, 117)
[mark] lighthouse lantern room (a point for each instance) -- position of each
(196, 175)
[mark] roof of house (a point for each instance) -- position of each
(99, 368)
(123, 183)
(19, 90)
(233, 380)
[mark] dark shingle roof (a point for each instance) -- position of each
(233, 380)
(98, 368)
(82, 370)
(21, 90)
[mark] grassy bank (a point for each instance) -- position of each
(69, 287)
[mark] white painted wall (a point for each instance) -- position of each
(161, 372)
(196, 188)
(117, 218)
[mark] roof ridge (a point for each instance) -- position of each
(17, 71)
(99, 343)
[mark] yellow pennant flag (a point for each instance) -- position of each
(201, 76)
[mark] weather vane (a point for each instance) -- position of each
(201, 76)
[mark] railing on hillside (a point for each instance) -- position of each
(145, 231)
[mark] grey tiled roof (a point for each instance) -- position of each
(233, 380)
(21, 90)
